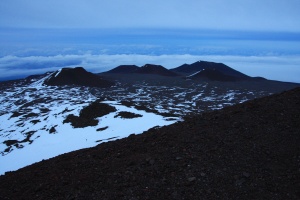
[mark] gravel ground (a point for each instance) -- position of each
(246, 151)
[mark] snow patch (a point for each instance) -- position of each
(58, 72)
(38, 84)
(195, 73)
(50, 115)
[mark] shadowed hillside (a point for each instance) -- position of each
(124, 69)
(246, 151)
(76, 76)
(155, 69)
(187, 69)
(213, 75)
(145, 69)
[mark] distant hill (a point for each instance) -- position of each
(145, 69)
(124, 69)
(155, 69)
(213, 75)
(76, 76)
(198, 70)
(215, 70)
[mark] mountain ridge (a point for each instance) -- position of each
(218, 71)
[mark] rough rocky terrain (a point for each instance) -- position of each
(247, 151)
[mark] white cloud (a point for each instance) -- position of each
(283, 68)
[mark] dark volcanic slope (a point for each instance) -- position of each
(77, 76)
(124, 69)
(247, 151)
(146, 69)
(187, 69)
(213, 75)
(155, 69)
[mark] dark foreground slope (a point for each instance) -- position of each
(247, 151)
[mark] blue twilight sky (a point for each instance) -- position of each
(269, 15)
(260, 38)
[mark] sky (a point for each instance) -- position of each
(271, 15)
(40, 35)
